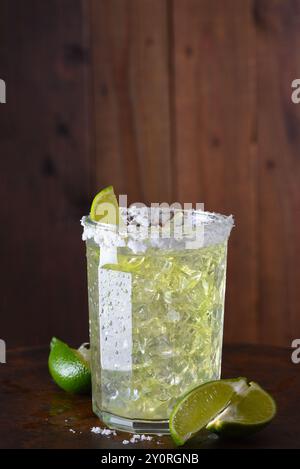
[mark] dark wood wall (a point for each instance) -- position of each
(168, 100)
(46, 169)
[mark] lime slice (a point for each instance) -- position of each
(228, 407)
(105, 208)
(247, 413)
(69, 367)
(197, 408)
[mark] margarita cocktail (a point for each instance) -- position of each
(156, 318)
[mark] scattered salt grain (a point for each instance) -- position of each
(103, 431)
(106, 432)
(96, 430)
(135, 438)
(146, 438)
(71, 430)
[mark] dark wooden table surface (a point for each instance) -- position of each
(34, 413)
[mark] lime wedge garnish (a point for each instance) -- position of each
(228, 407)
(197, 408)
(69, 367)
(105, 208)
(250, 411)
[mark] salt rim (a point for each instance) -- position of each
(216, 229)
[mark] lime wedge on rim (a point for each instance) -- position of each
(247, 413)
(105, 208)
(69, 368)
(229, 407)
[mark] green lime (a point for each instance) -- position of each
(69, 367)
(230, 407)
(197, 408)
(105, 208)
(248, 412)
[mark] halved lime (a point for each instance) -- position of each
(197, 408)
(105, 208)
(69, 367)
(247, 413)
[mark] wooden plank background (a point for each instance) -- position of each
(45, 169)
(168, 100)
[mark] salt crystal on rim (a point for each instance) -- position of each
(211, 227)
